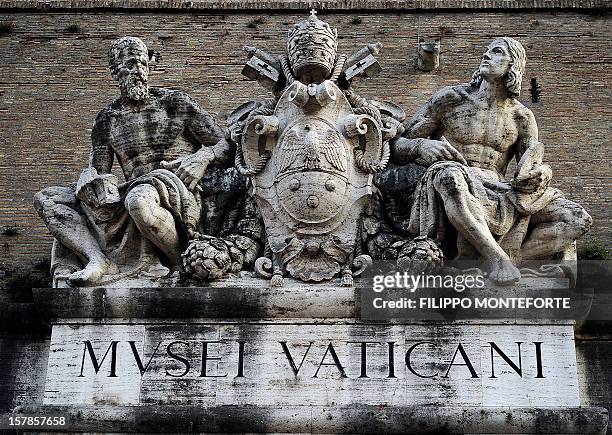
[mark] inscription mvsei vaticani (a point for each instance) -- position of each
(423, 359)
(313, 363)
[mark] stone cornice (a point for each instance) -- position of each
(287, 5)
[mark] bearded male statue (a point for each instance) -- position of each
(163, 142)
(468, 134)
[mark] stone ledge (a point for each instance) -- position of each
(317, 419)
(232, 298)
(302, 5)
(192, 302)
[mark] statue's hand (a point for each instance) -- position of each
(190, 169)
(429, 151)
(533, 180)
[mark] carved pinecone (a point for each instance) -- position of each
(208, 258)
(420, 255)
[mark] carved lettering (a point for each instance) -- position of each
(518, 369)
(295, 369)
(409, 363)
(205, 358)
(113, 365)
(539, 366)
(364, 364)
(468, 363)
(173, 355)
(391, 359)
(330, 349)
(240, 359)
(142, 368)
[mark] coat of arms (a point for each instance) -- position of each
(310, 156)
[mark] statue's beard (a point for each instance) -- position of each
(135, 87)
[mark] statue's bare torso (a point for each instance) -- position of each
(168, 126)
(485, 133)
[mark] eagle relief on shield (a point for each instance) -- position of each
(311, 156)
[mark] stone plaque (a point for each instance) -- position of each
(312, 362)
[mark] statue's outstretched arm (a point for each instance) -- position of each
(200, 128)
(425, 123)
(207, 131)
(422, 140)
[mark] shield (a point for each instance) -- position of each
(311, 186)
(311, 163)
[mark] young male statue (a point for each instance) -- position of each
(163, 142)
(468, 134)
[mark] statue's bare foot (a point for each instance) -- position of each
(93, 272)
(157, 270)
(503, 271)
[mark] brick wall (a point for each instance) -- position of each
(53, 82)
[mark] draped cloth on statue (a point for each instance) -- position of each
(117, 233)
(506, 211)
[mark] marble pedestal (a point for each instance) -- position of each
(241, 357)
